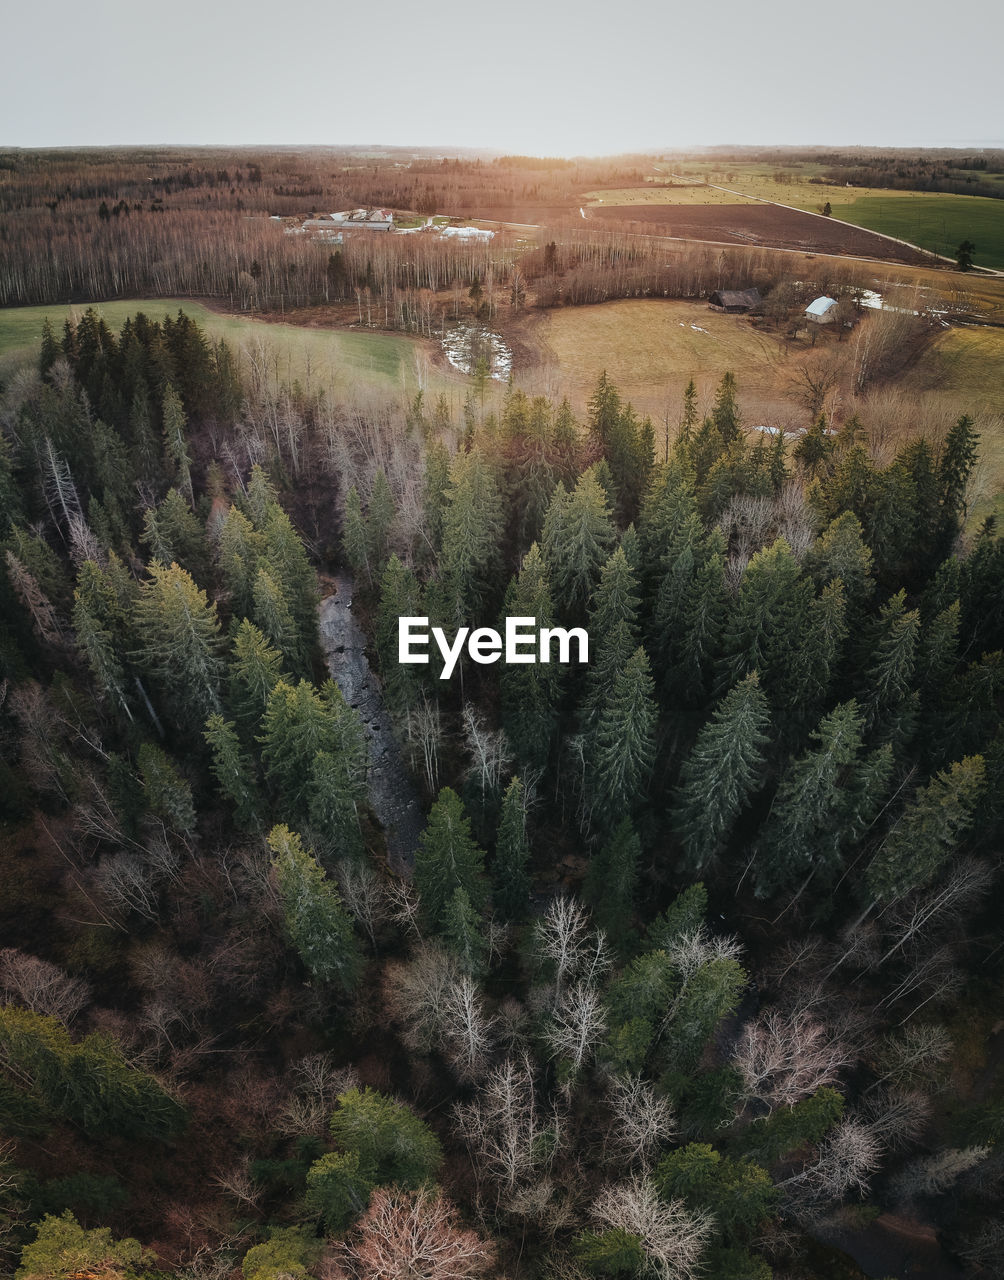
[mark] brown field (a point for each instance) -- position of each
(758, 224)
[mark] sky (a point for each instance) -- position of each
(544, 77)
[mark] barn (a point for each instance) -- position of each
(735, 301)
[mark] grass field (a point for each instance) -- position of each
(650, 351)
(333, 357)
(933, 221)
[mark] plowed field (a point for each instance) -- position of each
(756, 224)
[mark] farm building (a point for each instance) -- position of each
(821, 311)
(365, 219)
(468, 233)
(735, 301)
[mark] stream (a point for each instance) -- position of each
(393, 796)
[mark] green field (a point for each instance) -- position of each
(935, 222)
(932, 220)
(310, 356)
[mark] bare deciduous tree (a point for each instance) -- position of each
(491, 754)
(672, 1236)
(41, 986)
(784, 1058)
(577, 1023)
(641, 1119)
(847, 1158)
(564, 938)
(414, 1233)
(932, 1175)
(504, 1127)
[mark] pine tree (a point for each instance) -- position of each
(623, 746)
(179, 640)
(511, 894)
(721, 773)
(447, 859)
(318, 925)
(232, 768)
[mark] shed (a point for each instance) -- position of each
(821, 311)
(736, 301)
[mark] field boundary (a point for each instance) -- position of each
(990, 271)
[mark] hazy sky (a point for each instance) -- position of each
(539, 76)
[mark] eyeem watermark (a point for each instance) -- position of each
(524, 642)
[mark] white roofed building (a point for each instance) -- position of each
(821, 311)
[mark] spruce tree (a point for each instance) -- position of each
(255, 670)
(928, 832)
(462, 932)
(821, 805)
(355, 537)
(622, 748)
(238, 549)
(400, 597)
(529, 691)
(578, 538)
(725, 413)
(179, 463)
(721, 773)
(448, 858)
(168, 795)
(511, 895)
(472, 532)
(233, 768)
(612, 880)
(887, 673)
(318, 925)
(179, 640)
(271, 614)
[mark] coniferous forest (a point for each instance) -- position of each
(694, 966)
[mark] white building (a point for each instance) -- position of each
(821, 311)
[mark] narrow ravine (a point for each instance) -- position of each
(393, 796)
